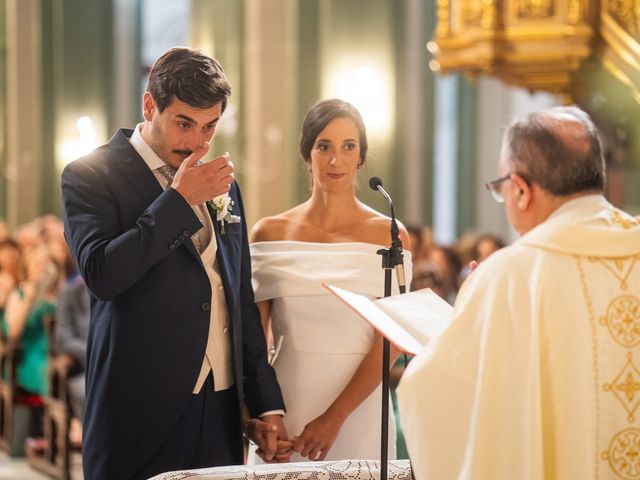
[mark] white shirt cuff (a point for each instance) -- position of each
(272, 412)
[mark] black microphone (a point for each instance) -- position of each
(396, 244)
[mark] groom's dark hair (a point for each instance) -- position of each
(190, 76)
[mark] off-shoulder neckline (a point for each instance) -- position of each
(300, 242)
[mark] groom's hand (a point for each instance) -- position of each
(199, 182)
(270, 435)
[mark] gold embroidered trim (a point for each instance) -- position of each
(617, 267)
(623, 454)
(594, 350)
(626, 388)
(623, 320)
(625, 221)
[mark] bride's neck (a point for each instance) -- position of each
(330, 209)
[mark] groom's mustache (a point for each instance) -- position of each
(183, 152)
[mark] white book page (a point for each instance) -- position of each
(405, 320)
(423, 314)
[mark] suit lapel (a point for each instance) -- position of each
(135, 171)
(221, 252)
(133, 168)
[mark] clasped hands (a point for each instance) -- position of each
(274, 445)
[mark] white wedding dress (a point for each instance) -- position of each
(321, 342)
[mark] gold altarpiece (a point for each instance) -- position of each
(585, 51)
(540, 44)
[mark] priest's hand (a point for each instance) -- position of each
(269, 434)
(318, 436)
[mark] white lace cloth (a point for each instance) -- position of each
(339, 470)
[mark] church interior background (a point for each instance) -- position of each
(436, 82)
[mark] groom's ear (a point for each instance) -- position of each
(148, 106)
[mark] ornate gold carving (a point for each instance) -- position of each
(472, 13)
(627, 14)
(623, 454)
(623, 320)
(575, 11)
(443, 29)
(541, 44)
(489, 15)
(479, 13)
(535, 9)
(626, 388)
(626, 221)
(535, 44)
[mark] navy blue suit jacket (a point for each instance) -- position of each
(150, 307)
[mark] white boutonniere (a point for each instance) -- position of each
(222, 205)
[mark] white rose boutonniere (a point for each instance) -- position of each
(222, 205)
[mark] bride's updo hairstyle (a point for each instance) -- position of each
(320, 115)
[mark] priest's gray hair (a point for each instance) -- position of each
(557, 148)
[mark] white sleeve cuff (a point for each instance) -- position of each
(272, 412)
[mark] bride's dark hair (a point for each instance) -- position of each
(320, 115)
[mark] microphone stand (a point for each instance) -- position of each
(391, 260)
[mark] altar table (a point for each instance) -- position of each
(334, 470)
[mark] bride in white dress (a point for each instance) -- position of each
(328, 360)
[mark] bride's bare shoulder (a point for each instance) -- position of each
(378, 228)
(274, 228)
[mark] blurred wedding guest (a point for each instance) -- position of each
(50, 230)
(421, 240)
(28, 234)
(427, 275)
(71, 334)
(4, 230)
(485, 245)
(536, 376)
(327, 358)
(10, 269)
(448, 264)
(176, 349)
(27, 309)
(465, 244)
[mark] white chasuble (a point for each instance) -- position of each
(538, 375)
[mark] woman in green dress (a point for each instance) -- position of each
(23, 326)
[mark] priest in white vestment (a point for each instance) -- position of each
(538, 375)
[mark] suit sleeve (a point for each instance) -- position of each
(262, 392)
(112, 252)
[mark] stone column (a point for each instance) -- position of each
(24, 147)
(269, 107)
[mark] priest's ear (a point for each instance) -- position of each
(524, 191)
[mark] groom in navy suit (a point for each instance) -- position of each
(176, 351)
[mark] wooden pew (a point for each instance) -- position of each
(52, 455)
(16, 405)
(7, 394)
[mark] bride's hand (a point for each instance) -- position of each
(318, 436)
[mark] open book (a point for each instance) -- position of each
(408, 321)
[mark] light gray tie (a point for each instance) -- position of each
(168, 173)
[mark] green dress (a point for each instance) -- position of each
(31, 371)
